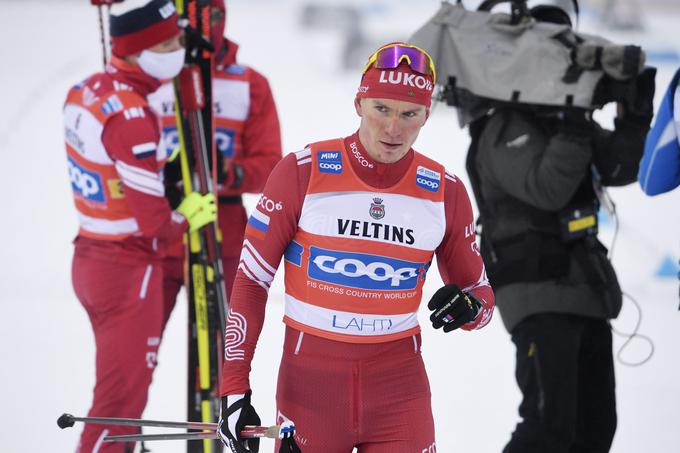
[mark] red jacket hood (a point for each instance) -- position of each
(228, 56)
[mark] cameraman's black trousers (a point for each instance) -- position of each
(565, 371)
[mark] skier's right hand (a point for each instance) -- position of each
(199, 210)
(237, 412)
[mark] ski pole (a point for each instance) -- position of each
(271, 432)
(196, 435)
(102, 30)
(102, 33)
(68, 420)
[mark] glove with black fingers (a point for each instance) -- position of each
(237, 412)
(452, 308)
(641, 108)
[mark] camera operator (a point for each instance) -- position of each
(535, 174)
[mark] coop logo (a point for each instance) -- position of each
(170, 140)
(224, 139)
(329, 161)
(409, 80)
(428, 179)
(86, 183)
(359, 270)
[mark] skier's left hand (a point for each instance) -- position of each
(237, 412)
(452, 308)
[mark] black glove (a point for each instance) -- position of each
(641, 108)
(635, 94)
(452, 308)
(233, 419)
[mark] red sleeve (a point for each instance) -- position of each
(458, 255)
(131, 144)
(270, 230)
(261, 139)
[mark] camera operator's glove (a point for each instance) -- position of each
(635, 95)
(237, 412)
(641, 109)
(452, 308)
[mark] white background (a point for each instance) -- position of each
(46, 348)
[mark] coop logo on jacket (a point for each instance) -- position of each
(86, 183)
(428, 179)
(365, 271)
(330, 161)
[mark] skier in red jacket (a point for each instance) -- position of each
(357, 221)
(115, 160)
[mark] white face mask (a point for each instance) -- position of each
(162, 66)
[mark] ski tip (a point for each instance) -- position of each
(65, 421)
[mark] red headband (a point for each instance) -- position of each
(402, 84)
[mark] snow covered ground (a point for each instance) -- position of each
(46, 345)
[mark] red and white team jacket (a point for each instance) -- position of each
(115, 162)
(358, 238)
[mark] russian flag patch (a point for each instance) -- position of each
(112, 105)
(258, 224)
(144, 150)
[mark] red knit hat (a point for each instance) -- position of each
(143, 27)
(401, 83)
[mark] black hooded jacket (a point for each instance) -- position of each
(529, 169)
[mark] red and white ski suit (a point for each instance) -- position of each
(247, 134)
(358, 237)
(115, 163)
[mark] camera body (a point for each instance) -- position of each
(487, 59)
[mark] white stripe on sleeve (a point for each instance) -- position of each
(305, 153)
(143, 148)
(256, 270)
(141, 180)
(483, 281)
(264, 263)
(250, 275)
